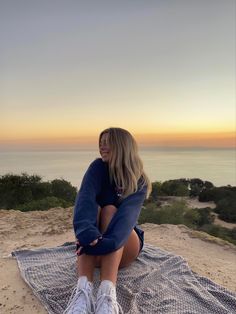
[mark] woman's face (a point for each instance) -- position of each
(104, 148)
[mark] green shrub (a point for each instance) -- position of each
(178, 187)
(233, 233)
(41, 190)
(173, 214)
(63, 189)
(44, 204)
(156, 191)
(220, 232)
(191, 218)
(148, 215)
(175, 188)
(17, 190)
(177, 213)
(226, 208)
(195, 218)
(217, 193)
(205, 216)
(225, 199)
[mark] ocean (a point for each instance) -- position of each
(215, 165)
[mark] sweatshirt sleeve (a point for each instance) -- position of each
(121, 225)
(86, 207)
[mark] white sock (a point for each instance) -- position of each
(83, 281)
(108, 287)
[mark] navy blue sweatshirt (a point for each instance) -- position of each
(96, 190)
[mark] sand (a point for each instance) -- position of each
(206, 255)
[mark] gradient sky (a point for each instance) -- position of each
(164, 70)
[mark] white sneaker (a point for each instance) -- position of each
(106, 299)
(81, 300)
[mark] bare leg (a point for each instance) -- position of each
(109, 263)
(86, 266)
(122, 257)
(86, 263)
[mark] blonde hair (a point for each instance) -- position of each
(125, 165)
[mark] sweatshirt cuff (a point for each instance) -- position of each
(87, 236)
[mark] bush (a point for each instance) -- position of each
(205, 216)
(41, 190)
(177, 213)
(226, 208)
(217, 193)
(191, 218)
(172, 214)
(233, 233)
(43, 204)
(148, 215)
(220, 232)
(63, 189)
(175, 188)
(17, 190)
(178, 187)
(156, 191)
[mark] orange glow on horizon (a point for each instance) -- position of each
(220, 140)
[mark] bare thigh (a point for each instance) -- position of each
(130, 251)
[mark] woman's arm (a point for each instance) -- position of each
(86, 207)
(121, 225)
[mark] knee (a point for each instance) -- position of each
(108, 210)
(107, 213)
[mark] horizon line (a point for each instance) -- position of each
(93, 148)
(203, 140)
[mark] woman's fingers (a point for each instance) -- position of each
(78, 250)
(94, 242)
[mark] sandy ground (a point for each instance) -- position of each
(206, 255)
(224, 224)
(192, 202)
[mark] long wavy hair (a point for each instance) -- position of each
(125, 165)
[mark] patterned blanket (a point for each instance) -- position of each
(157, 282)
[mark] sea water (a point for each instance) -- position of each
(215, 165)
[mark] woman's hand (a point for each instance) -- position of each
(79, 249)
(94, 242)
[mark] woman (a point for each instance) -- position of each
(106, 211)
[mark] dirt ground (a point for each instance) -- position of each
(206, 255)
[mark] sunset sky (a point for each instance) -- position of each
(164, 70)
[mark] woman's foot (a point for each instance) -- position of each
(81, 300)
(106, 299)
